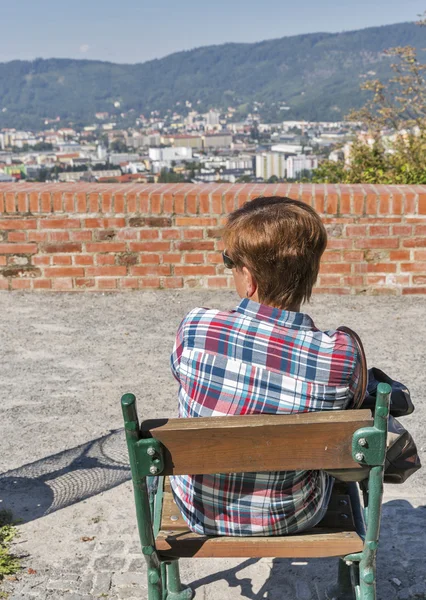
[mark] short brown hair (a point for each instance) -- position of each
(281, 242)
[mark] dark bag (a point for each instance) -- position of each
(400, 401)
(402, 459)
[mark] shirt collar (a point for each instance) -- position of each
(276, 316)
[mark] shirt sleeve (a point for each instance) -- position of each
(354, 380)
(177, 351)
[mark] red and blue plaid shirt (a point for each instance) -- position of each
(258, 359)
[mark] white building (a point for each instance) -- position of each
(297, 164)
(171, 153)
(269, 164)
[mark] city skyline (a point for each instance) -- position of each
(139, 31)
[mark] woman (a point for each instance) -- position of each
(265, 356)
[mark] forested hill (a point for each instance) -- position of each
(317, 75)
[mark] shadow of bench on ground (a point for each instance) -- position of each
(54, 482)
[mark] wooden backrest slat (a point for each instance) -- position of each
(254, 443)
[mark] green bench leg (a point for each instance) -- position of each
(344, 590)
(175, 589)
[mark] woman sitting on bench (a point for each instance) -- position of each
(265, 356)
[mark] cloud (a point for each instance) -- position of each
(84, 48)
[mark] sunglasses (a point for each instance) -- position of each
(227, 261)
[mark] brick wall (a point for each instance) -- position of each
(123, 237)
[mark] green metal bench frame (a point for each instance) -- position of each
(357, 572)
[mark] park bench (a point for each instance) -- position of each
(351, 444)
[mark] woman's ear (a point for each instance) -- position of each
(250, 283)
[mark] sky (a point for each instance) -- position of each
(130, 31)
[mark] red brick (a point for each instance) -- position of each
(171, 234)
(105, 259)
(356, 230)
(217, 282)
(81, 202)
(402, 230)
(149, 282)
(129, 283)
(17, 236)
(422, 204)
(61, 260)
(107, 271)
(64, 272)
(150, 259)
(127, 234)
(195, 222)
(371, 204)
(93, 223)
(150, 270)
(83, 259)
(155, 203)
(384, 204)
(192, 203)
(4, 284)
(415, 267)
(173, 282)
(413, 290)
(20, 284)
(149, 234)
(57, 202)
(60, 248)
(34, 202)
(419, 279)
(107, 284)
(195, 270)
(353, 281)
(2, 260)
(338, 291)
(68, 200)
(419, 242)
(38, 236)
(381, 268)
(353, 255)
(358, 203)
(45, 201)
(335, 268)
(23, 202)
(195, 245)
(379, 230)
(18, 223)
(339, 244)
(172, 258)
(377, 243)
(41, 260)
(42, 284)
(330, 256)
(18, 248)
(330, 280)
(215, 258)
(10, 202)
(119, 203)
(193, 234)
(149, 246)
(420, 230)
(63, 284)
(376, 279)
(193, 258)
(397, 255)
(419, 254)
(81, 236)
(106, 202)
(106, 247)
(60, 223)
(84, 282)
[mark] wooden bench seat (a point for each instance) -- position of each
(334, 536)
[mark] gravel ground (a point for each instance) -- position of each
(65, 361)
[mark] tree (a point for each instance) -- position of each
(394, 150)
(118, 146)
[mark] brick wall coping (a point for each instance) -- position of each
(328, 199)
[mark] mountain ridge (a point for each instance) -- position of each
(316, 74)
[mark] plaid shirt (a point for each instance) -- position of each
(258, 359)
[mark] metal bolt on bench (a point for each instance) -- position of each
(350, 529)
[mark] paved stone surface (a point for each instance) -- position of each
(65, 361)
